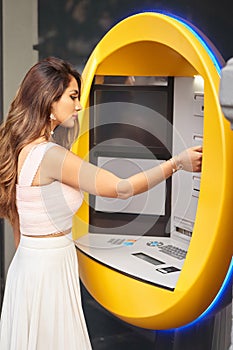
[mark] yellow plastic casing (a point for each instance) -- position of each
(153, 44)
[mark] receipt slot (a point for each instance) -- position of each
(158, 45)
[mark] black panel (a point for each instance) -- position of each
(125, 122)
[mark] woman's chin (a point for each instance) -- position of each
(69, 124)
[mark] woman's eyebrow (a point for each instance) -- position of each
(74, 91)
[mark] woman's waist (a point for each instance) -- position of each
(48, 235)
(49, 241)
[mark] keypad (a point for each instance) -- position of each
(173, 251)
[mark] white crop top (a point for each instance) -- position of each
(44, 209)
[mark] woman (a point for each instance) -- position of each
(41, 185)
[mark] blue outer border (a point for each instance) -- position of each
(197, 34)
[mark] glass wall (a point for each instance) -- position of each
(70, 29)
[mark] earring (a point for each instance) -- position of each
(52, 117)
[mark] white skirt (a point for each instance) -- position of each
(42, 307)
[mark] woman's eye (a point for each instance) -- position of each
(74, 97)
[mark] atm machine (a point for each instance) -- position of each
(158, 260)
(133, 128)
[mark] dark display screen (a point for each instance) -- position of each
(131, 122)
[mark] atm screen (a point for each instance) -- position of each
(139, 113)
(151, 202)
(131, 123)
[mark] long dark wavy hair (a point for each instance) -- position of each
(28, 119)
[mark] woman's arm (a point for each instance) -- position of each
(63, 165)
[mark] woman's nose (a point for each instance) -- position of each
(78, 107)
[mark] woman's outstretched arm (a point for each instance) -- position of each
(65, 166)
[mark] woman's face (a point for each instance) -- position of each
(65, 110)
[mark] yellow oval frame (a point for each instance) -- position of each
(157, 44)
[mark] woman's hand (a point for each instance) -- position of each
(190, 159)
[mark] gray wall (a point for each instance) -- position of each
(19, 35)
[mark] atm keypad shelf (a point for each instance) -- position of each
(142, 258)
